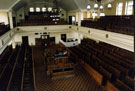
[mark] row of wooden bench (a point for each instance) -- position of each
(8, 68)
(40, 18)
(118, 24)
(108, 67)
(3, 28)
(14, 75)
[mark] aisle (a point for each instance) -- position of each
(81, 82)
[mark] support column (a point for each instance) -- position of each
(79, 18)
(79, 40)
(88, 14)
(13, 43)
(80, 37)
(10, 19)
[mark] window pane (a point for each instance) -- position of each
(129, 8)
(31, 9)
(49, 9)
(43, 9)
(119, 9)
(37, 9)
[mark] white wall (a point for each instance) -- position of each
(32, 37)
(71, 13)
(65, 14)
(112, 11)
(20, 15)
(4, 17)
(116, 39)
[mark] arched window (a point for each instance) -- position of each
(31, 9)
(43, 9)
(119, 9)
(49, 9)
(37, 9)
(129, 8)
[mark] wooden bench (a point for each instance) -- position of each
(115, 72)
(111, 87)
(96, 75)
(129, 81)
(62, 72)
(122, 86)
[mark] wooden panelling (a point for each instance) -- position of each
(97, 76)
(111, 87)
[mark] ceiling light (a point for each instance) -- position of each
(101, 7)
(109, 5)
(95, 5)
(88, 6)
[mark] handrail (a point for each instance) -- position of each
(23, 70)
(33, 70)
(13, 70)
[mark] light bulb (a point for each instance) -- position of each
(109, 5)
(101, 7)
(95, 5)
(88, 6)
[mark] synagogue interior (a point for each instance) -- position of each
(67, 45)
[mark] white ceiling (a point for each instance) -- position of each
(7, 4)
(65, 4)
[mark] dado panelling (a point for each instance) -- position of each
(117, 39)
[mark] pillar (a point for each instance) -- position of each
(88, 14)
(10, 19)
(79, 18)
(13, 43)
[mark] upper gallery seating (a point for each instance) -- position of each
(42, 18)
(3, 28)
(109, 65)
(118, 24)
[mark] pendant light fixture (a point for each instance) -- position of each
(109, 5)
(96, 5)
(56, 7)
(88, 6)
(101, 6)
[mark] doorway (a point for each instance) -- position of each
(25, 40)
(64, 37)
(71, 20)
(14, 21)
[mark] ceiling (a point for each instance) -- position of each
(65, 4)
(7, 4)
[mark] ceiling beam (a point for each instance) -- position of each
(75, 2)
(13, 4)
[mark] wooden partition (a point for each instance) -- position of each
(111, 87)
(97, 76)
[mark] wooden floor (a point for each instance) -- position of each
(82, 81)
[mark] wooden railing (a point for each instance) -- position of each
(34, 78)
(23, 69)
(13, 70)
